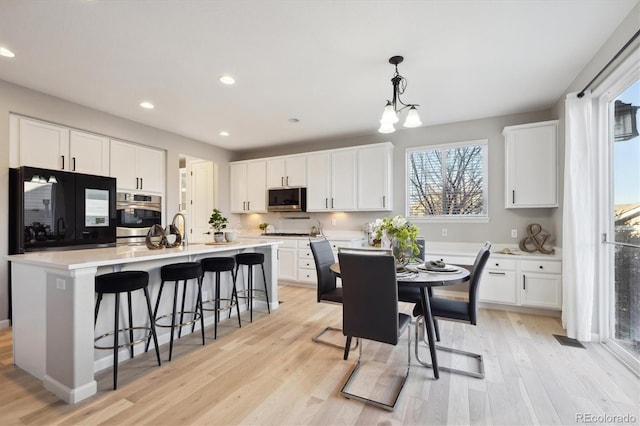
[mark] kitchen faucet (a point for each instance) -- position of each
(184, 226)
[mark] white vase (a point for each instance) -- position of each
(230, 236)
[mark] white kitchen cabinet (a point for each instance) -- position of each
(54, 147)
(287, 172)
(137, 168)
(497, 284)
(248, 187)
(541, 283)
(374, 177)
(88, 153)
(332, 178)
(287, 260)
(531, 165)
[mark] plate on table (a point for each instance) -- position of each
(448, 269)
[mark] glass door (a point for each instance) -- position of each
(625, 220)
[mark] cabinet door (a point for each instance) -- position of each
(343, 180)
(541, 290)
(498, 287)
(374, 178)
(150, 169)
(43, 145)
(123, 165)
(276, 173)
(531, 167)
(287, 264)
(88, 153)
(296, 171)
(256, 188)
(238, 182)
(318, 182)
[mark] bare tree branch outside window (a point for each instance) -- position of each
(447, 181)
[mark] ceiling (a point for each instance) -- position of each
(324, 63)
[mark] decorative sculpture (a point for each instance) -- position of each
(533, 231)
(156, 238)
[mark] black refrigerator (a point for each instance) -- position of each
(51, 209)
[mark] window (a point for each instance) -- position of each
(448, 181)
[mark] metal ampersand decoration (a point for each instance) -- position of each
(533, 230)
(156, 238)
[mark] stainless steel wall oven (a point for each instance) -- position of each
(136, 213)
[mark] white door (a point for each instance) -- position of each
(89, 153)
(201, 184)
(43, 145)
(343, 180)
(318, 182)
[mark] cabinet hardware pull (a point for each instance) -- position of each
(287, 180)
(524, 282)
(326, 203)
(73, 159)
(497, 273)
(281, 180)
(497, 264)
(331, 202)
(248, 205)
(541, 267)
(513, 196)
(384, 201)
(141, 185)
(62, 161)
(137, 183)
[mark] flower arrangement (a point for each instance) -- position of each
(402, 234)
(263, 227)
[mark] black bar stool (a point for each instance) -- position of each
(180, 272)
(251, 259)
(116, 283)
(219, 265)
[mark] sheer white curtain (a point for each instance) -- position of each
(579, 223)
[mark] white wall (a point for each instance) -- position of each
(19, 100)
(502, 220)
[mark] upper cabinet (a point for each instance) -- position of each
(374, 177)
(531, 176)
(287, 171)
(54, 147)
(248, 191)
(137, 168)
(331, 177)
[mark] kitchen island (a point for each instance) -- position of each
(53, 305)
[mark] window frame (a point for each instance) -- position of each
(484, 218)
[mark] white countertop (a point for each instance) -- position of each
(330, 235)
(471, 249)
(77, 259)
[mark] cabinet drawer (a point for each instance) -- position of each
(306, 264)
(501, 264)
(288, 244)
(498, 287)
(337, 244)
(451, 260)
(305, 254)
(307, 275)
(541, 266)
(304, 244)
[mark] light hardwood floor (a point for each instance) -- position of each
(270, 372)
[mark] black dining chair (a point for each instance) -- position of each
(457, 310)
(370, 311)
(327, 290)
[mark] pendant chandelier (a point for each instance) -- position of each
(391, 110)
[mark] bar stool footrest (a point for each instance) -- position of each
(126, 344)
(196, 317)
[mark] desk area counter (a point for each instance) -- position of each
(53, 298)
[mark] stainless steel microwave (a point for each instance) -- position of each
(287, 200)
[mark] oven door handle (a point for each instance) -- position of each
(123, 206)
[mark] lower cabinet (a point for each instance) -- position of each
(515, 282)
(287, 259)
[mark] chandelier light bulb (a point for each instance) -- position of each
(389, 115)
(386, 127)
(413, 119)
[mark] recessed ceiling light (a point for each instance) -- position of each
(227, 79)
(223, 133)
(147, 105)
(6, 52)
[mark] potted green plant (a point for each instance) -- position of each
(218, 223)
(263, 227)
(402, 236)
